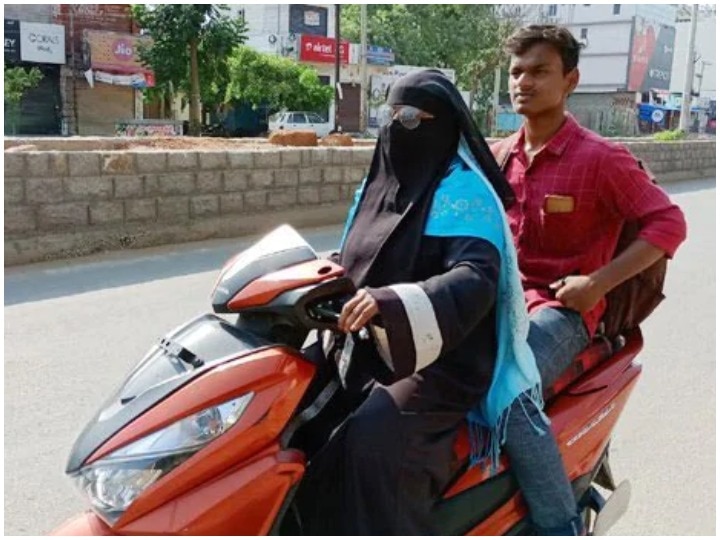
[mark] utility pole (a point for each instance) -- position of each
(496, 99)
(689, 73)
(363, 69)
(76, 130)
(338, 96)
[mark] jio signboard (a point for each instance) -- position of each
(116, 52)
(42, 43)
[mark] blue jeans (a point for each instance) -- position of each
(556, 337)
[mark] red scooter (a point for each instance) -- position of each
(213, 430)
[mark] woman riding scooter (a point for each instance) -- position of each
(428, 246)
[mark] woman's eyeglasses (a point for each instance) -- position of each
(409, 116)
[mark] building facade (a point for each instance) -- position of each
(101, 39)
(306, 33)
(88, 56)
(628, 50)
(705, 53)
(627, 47)
(32, 40)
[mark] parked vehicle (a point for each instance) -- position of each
(212, 432)
(300, 120)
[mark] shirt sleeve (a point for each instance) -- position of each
(422, 321)
(628, 190)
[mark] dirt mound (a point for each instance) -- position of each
(90, 144)
(294, 137)
(188, 143)
(103, 144)
(337, 139)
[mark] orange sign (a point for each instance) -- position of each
(116, 52)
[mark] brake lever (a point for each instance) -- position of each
(326, 312)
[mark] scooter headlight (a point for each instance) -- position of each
(114, 482)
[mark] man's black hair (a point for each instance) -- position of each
(558, 37)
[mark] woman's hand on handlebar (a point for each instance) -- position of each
(357, 312)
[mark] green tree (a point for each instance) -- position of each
(465, 37)
(274, 81)
(191, 43)
(17, 82)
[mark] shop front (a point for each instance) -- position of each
(109, 96)
(42, 46)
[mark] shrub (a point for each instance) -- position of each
(673, 135)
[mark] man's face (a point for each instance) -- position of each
(537, 82)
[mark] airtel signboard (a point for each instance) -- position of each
(321, 50)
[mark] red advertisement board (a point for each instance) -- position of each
(322, 50)
(651, 56)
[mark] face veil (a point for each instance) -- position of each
(407, 166)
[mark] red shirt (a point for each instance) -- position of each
(572, 202)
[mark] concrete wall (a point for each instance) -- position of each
(609, 113)
(68, 203)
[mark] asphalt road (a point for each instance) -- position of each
(74, 329)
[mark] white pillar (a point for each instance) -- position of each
(363, 69)
(689, 73)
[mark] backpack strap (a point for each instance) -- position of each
(501, 151)
(647, 171)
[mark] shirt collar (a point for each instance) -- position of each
(557, 144)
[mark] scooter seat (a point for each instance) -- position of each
(598, 351)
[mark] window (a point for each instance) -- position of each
(315, 118)
(552, 10)
(306, 19)
(298, 118)
(583, 33)
(616, 9)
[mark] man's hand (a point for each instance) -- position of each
(581, 293)
(358, 312)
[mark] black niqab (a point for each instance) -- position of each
(407, 167)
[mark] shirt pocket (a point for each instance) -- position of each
(566, 232)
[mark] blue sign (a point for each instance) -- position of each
(657, 116)
(380, 56)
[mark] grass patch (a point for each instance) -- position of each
(673, 135)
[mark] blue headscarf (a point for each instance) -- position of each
(465, 204)
(516, 371)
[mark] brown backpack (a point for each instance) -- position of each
(631, 302)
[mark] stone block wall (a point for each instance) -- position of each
(61, 204)
(676, 161)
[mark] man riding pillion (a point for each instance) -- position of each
(574, 191)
